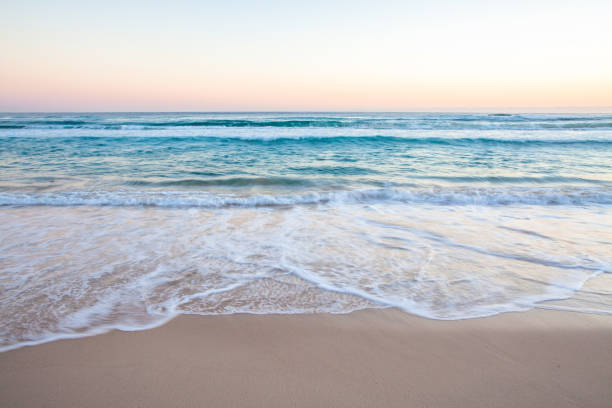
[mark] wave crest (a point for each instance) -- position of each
(431, 196)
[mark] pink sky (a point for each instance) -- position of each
(324, 56)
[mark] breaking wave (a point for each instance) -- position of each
(433, 196)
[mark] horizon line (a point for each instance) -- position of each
(513, 109)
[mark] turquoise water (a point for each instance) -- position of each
(290, 153)
(125, 220)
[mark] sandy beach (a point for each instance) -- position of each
(305, 204)
(363, 359)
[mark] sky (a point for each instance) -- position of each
(304, 55)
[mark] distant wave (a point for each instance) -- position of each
(180, 123)
(432, 140)
(425, 121)
(432, 196)
(283, 138)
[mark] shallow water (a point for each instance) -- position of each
(125, 220)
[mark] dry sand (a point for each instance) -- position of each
(375, 358)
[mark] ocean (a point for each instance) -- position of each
(125, 220)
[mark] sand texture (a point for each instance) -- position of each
(374, 358)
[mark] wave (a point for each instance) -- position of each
(513, 179)
(183, 123)
(373, 121)
(428, 196)
(380, 138)
(230, 182)
(578, 125)
(334, 172)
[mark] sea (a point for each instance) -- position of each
(126, 220)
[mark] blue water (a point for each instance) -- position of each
(126, 219)
(292, 153)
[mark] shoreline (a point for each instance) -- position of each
(102, 330)
(375, 357)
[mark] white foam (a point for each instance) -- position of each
(75, 271)
(434, 195)
(267, 134)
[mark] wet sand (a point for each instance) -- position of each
(373, 358)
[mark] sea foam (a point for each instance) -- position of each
(433, 196)
(125, 220)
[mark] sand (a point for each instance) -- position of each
(374, 358)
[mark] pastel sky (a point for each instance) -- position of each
(230, 55)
